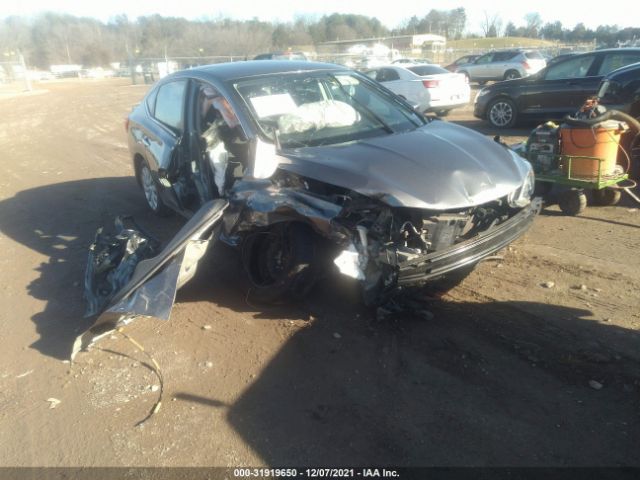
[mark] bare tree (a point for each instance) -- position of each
(491, 25)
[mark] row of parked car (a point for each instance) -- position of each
(526, 88)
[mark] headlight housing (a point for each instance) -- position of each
(521, 196)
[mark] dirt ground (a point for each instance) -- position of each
(503, 374)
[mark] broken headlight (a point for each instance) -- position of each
(521, 196)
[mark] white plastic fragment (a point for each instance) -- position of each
(53, 402)
(348, 262)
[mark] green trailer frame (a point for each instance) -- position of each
(573, 200)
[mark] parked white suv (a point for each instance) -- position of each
(503, 65)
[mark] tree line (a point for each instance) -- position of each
(535, 27)
(54, 38)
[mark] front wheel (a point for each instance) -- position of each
(572, 202)
(280, 261)
(502, 113)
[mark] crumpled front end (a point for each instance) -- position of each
(393, 248)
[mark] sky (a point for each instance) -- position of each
(623, 13)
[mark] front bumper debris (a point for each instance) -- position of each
(147, 285)
(437, 264)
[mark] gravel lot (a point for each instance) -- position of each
(507, 372)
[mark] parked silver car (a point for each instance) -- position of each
(503, 65)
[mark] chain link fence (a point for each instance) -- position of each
(14, 76)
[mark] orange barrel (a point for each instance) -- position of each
(600, 141)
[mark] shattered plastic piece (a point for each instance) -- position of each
(349, 263)
(53, 402)
(149, 285)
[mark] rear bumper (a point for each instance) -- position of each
(437, 264)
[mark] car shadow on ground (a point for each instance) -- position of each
(498, 383)
(59, 222)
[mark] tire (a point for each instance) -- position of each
(511, 75)
(482, 82)
(443, 113)
(280, 262)
(151, 191)
(572, 202)
(606, 197)
(501, 113)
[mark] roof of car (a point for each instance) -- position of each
(251, 68)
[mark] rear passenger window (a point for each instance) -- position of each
(616, 60)
(573, 68)
(504, 56)
(169, 108)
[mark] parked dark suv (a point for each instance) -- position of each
(620, 90)
(552, 93)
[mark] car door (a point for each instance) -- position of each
(162, 137)
(499, 64)
(479, 70)
(560, 89)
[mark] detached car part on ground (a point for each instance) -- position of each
(321, 166)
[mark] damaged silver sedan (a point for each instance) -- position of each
(304, 167)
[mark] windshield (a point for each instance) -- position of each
(311, 109)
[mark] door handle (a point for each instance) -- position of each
(146, 141)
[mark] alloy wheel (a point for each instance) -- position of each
(149, 188)
(501, 114)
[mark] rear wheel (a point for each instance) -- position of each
(279, 262)
(443, 113)
(511, 75)
(501, 113)
(606, 196)
(151, 191)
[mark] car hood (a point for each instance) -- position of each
(439, 166)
